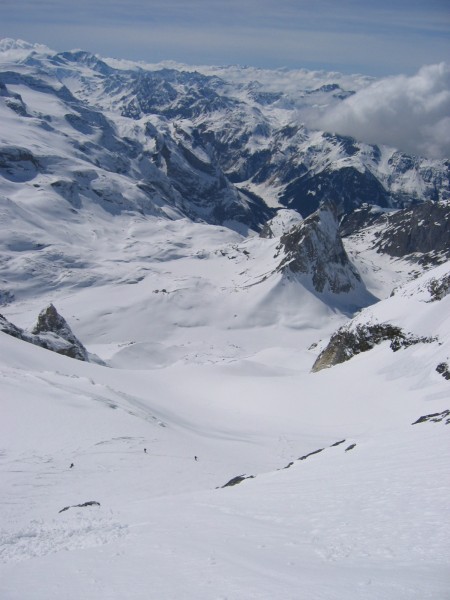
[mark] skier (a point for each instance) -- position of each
(145, 450)
(71, 466)
(196, 458)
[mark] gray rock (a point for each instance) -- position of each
(442, 417)
(52, 333)
(349, 341)
(238, 479)
(314, 248)
(51, 327)
(444, 370)
(422, 230)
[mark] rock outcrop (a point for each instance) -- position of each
(404, 233)
(314, 248)
(348, 341)
(11, 329)
(50, 332)
(420, 233)
(439, 288)
(52, 328)
(444, 370)
(442, 417)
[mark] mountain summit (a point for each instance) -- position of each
(314, 248)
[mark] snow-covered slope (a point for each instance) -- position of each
(415, 314)
(349, 520)
(209, 358)
(134, 228)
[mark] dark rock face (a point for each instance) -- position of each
(315, 248)
(345, 188)
(13, 100)
(439, 288)
(83, 505)
(361, 218)
(346, 342)
(238, 479)
(420, 233)
(443, 417)
(423, 229)
(17, 164)
(51, 322)
(444, 370)
(7, 327)
(51, 332)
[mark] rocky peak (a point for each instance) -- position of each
(314, 248)
(52, 333)
(51, 324)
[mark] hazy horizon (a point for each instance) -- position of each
(390, 38)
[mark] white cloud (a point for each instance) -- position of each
(410, 113)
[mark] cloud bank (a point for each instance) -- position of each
(351, 36)
(409, 113)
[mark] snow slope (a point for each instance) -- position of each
(217, 366)
(369, 521)
(208, 351)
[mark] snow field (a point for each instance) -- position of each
(208, 353)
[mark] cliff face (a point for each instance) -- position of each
(51, 325)
(420, 233)
(423, 229)
(314, 248)
(50, 332)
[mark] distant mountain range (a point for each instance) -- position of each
(218, 147)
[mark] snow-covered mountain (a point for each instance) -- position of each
(208, 146)
(131, 196)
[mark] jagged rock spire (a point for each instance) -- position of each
(314, 248)
(51, 322)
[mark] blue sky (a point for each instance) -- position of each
(371, 37)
